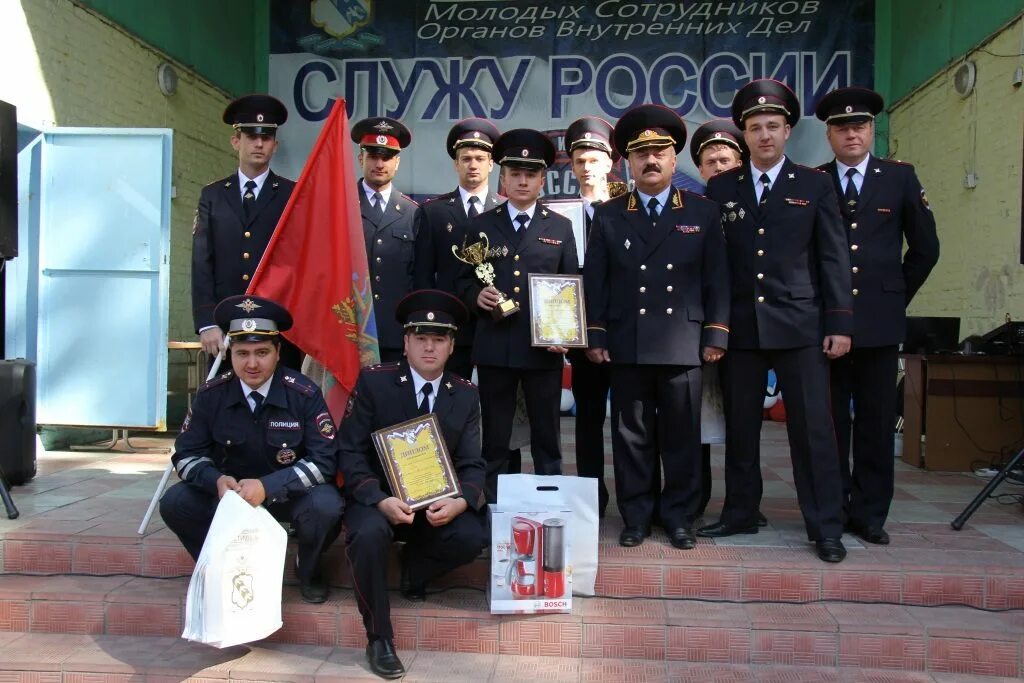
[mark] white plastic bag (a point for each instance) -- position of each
(556, 492)
(234, 596)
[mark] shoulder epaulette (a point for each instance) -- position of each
(299, 382)
(216, 381)
(459, 379)
(809, 168)
(897, 161)
(408, 198)
(383, 367)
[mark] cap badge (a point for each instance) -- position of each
(259, 118)
(248, 305)
(382, 140)
(587, 135)
(526, 152)
(717, 135)
(476, 133)
(761, 100)
(648, 133)
(849, 109)
(383, 126)
(430, 315)
(249, 325)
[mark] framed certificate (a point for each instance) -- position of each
(573, 210)
(416, 461)
(556, 311)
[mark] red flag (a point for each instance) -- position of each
(315, 265)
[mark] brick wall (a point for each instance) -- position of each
(979, 276)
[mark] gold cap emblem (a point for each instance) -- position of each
(430, 315)
(761, 100)
(248, 305)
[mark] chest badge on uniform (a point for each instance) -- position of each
(732, 216)
(285, 456)
(729, 205)
(688, 229)
(626, 243)
(741, 213)
(448, 227)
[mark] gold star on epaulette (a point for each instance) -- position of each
(227, 184)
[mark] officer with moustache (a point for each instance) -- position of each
(524, 237)
(442, 223)
(882, 204)
(449, 532)
(588, 144)
(388, 224)
(656, 279)
(236, 218)
(262, 431)
(791, 310)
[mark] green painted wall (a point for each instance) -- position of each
(225, 41)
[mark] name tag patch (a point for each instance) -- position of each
(284, 424)
(797, 202)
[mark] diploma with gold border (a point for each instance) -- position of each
(416, 461)
(557, 317)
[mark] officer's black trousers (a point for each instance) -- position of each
(868, 378)
(432, 551)
(590, 382)
(803, 376)
(656, 419)
(315, 516)
(543, 392)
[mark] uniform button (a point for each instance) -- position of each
(856, 269)
(760, 299)
(284, 445)
(853, 247)
(643, 289)
(643, 311)
(376, 278)
(643, 267)
(669, 288)
(669, 311)
(245, 255)
(376, 296)
(853, 226)
(516, 257)
(760, 231)
(248, 234)
(760, 252)
(228, 442)
(246, 277)
(516, 273)
(515, 289)
(856, 292)
(760, 276)
(669, 266)
(378, 259)
(380, 241)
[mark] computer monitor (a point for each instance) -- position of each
(932, 334)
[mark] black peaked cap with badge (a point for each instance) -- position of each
(479, 133)
(381, 134)
(590, 132)
(649, 125)
(716, 132)
(765, 96)
(431, 310)
(256, 114)
(252, 318)
(525, 148)
(849, 105)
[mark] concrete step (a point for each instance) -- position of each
(886, 637)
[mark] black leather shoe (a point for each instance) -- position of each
(762, 521)
(409, 590)
(683, 538)
(871, 534)
(313, 591)
(830, 550)
(384, 660)
(722, 529)
(633, 536)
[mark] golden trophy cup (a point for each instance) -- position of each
(477, 255)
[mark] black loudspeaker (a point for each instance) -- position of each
(18, 420)
(8, 181)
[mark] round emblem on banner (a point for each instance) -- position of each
(761, 100)
(849, 109)
(525, 152)
(249, 325)
(286, 456)
(259, 118)
(382, 139)
(430, 315)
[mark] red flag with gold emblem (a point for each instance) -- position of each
(315, 265)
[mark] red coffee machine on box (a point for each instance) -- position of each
(537, 545)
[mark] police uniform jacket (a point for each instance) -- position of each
(442, 223)
(384, 396)
(547, 247)
(789, 263)
(656, 295)
(226, 249)
(891, 206)
(289, 446)
(390, 248)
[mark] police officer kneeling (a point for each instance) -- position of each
(448, 533)
(262, 431)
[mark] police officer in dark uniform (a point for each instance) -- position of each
(388, 224)
(588, 144)
(236, 217)
(656, 279)
(262, 431)
(524, 238)
(448, 533)
(882, 202)
(442, 223)
(791, 310)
